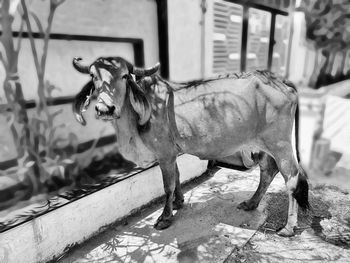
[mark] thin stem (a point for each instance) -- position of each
(31, 38)
(20, 37)
(46, 40)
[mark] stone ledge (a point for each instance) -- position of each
(47, 236)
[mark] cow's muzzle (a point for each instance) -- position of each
(106, 112)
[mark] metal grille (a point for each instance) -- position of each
(228, 18)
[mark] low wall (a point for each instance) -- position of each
(47, 236)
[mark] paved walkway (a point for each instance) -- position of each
(211, 229)
(207, 229)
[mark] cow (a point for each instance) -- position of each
(244, 118)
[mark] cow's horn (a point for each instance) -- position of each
(78, 66)
(145, 72)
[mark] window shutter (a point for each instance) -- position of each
(258, 39)
(227, 36)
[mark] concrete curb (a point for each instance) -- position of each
(207, 229)
(47, 236)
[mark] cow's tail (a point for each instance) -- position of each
(301, 192)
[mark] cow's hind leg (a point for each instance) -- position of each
(179, 197)
(168, 168)
(296, 183)
(268, 170)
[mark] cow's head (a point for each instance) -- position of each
(112, 82)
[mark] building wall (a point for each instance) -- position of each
(107, 18)
(184, 17)
(187, 40)
(115, 18)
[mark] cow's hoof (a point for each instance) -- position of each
(247, 206)
(178, 204)
(163, 223)
(286, 232)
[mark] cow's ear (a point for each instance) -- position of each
(82, 101)
(139, 101)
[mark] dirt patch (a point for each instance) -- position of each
(244, 255)
(277, 209)
(323, 234)
(335, 230)
(329, 216)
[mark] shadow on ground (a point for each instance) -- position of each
(210, 228)
(206, 230)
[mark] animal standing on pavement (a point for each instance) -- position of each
(242, 118)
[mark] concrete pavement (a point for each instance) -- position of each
(207, 229)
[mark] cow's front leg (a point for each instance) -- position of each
(179, 197)
(168, 168)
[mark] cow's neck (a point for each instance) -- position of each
(129, 142)
(162, 126)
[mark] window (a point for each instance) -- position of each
(258, 39)
(227, 37)
(249, 36)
